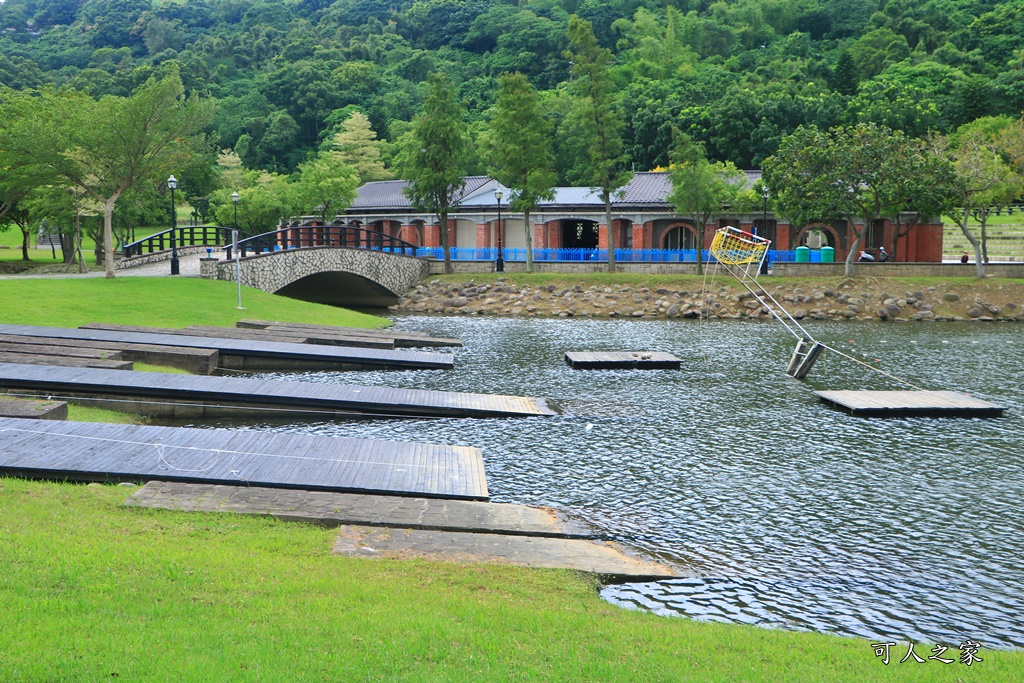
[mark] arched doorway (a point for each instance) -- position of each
(579, 234)
(816, 238)
(680, 238)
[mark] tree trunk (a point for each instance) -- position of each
(984, 237)
(978, 263)
(529, 241)
(611, 231)
(443, 218)
(108, 234)
(67, 247)
(699, 228)
(26, 241)
(851, 257)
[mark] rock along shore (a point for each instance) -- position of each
(846, 299)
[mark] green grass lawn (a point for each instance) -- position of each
(93, 591)
(157, 301)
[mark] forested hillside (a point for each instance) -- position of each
(735, 75)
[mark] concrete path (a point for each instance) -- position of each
(604, 559)
(394, 526)
(188, 266)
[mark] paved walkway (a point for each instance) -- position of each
(378, 526)
(188, 266)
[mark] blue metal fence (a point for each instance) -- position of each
(578, 255)
(564, 255)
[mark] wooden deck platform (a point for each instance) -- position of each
(88, 451)
(910, 404)
(204, 396)
(401, 338)
(643, 360)
(245, 354)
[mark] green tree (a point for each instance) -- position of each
(919, 187)
(325, 183)
(700, 188)
(599, 121)
(983, 179)
(261, 205)
(106, 147)
(356, 144)
(844, 76)
(847, 173)
(520, 150)
(435, 160)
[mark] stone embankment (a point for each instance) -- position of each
(849, 299)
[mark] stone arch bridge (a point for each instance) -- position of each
(340, 276)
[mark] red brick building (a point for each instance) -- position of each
(641, 219)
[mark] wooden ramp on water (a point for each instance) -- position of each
(250, 354)
(89, 451)
(910, 404)
(642, 360)
(156, 393)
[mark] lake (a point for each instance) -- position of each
(781, 511)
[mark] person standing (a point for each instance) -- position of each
(965, 258)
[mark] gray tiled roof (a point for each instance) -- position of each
(389, 194)
(647, 187)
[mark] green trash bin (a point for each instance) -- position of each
(803, 255)
(828, 255)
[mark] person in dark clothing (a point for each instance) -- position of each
(965, 258)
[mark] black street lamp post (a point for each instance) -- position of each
(499, 264)
(172, 183)
(764, 226)
(234, 200)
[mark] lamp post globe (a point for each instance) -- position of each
(499, 264)
(172, 183)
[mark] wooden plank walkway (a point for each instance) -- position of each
(399, 337)
(263, 353)
(197, 361)
(81, 451)
(33, 409)
(642, 360)
(910, 404)
(267, 395)
(285, 336)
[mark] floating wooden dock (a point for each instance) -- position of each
(910, 404)
(245, 354)
(400, 338)
(189, 396)
(87, 451)
(642, 360)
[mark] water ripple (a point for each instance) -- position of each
(785, 513)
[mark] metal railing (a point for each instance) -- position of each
(563, 255)
(307, 236)
(185, 236)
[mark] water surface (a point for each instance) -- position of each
(784, 512)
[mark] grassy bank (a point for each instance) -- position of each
(157, 301)
(93, 591)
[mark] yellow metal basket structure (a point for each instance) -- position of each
(733, 247)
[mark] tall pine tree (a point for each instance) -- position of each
(438, 156)
(520, 150)
(600, 120)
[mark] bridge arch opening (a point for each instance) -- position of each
(336, 288)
